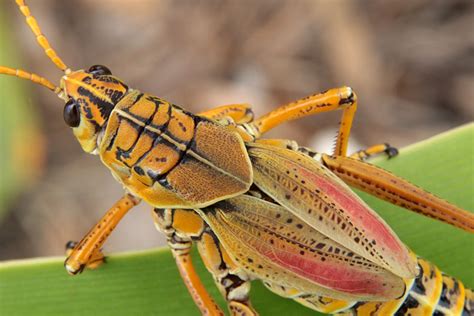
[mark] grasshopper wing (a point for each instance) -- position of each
(314, 194)
(274, 245)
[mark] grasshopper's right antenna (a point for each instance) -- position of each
(31, 21)
(30, 76)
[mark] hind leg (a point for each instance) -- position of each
(381, 183)
(374, 151)
(182, 227)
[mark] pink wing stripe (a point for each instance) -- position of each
(329, 274)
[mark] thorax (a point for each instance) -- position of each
(170, 157)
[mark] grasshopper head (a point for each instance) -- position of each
(91, 96)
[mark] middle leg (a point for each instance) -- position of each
(87, 252)
(334, 99)
(239, 113)
(184, 226)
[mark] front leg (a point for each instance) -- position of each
(96, 260)
(87, 250)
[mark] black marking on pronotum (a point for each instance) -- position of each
(125, 153)
(136, 101)
(183, 127)
(139, 170)
(180, 141)
(158, 137)
(140, 132)
(139, 97)
(112, 141)
(182, 154)
(159, 102)
(155, 100)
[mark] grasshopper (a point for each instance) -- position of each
(256, 208)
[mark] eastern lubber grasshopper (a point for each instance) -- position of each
(256, 208)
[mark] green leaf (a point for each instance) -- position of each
(147, 283)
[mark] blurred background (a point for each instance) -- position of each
(411, 63)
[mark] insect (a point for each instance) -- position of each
(256, 208)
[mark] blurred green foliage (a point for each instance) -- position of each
(21, 146)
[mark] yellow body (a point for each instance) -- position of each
(257, 209)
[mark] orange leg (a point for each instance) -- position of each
(375, 150)
(88, 249)
(182, 227)
(96, 260)
(239, 113)
(189, 225)
(385, 185)
(203, 300)
(393, 189)
(334, 99)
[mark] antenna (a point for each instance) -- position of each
(49, 51)
(30, 76)
(42, 40)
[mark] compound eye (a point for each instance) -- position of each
(71, 114)
(99, 70)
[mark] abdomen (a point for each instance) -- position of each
(431, 293)
(172, 158)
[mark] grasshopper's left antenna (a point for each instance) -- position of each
(31, 21)
(42, 40)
